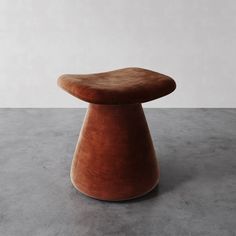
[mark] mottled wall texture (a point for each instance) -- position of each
(193, 41)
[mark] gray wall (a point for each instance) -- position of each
(191, 40)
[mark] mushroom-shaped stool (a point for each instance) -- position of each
(114, 158)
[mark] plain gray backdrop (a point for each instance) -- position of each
(191, 40)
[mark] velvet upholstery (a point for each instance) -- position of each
(129, 85)
(114, 158)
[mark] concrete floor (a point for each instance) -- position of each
(196, 196)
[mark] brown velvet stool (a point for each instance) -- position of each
(114, 158)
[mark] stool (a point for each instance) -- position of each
(114, 158)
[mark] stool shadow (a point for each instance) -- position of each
(174, 172)
(173, 175)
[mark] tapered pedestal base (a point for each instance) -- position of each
(114, 159)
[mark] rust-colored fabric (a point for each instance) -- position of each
(123, 86)
(114, 158)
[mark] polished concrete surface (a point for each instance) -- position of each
(196, 196)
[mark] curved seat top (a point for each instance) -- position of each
(123, 86)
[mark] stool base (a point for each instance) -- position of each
(114, 158)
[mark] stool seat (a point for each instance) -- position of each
(123, 86)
